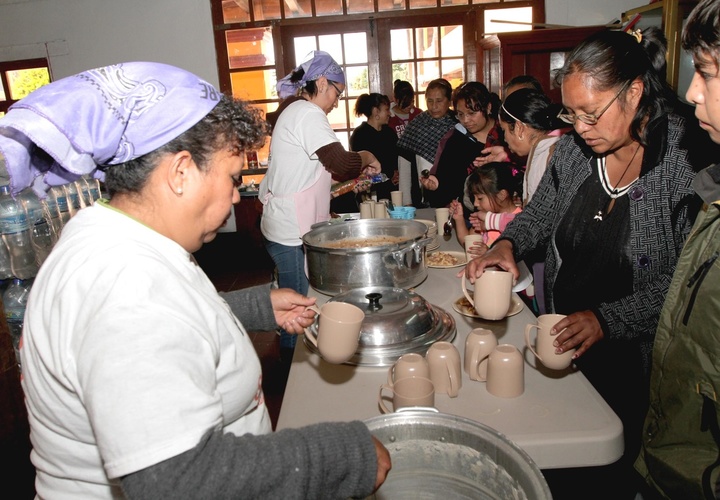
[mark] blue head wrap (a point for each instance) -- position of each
(318, 63)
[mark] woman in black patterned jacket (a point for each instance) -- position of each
(613, 211)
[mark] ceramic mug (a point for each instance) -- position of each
(470, 240)
(408, 392)
(408, 365)
(367, 209)
(338, 332)
(491, 298)
(505, 372)
(445, 372)
(397, 198)
(380, 210)
(544, 349)
(479, 343)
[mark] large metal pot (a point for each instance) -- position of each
(435, 455)
(393, 257)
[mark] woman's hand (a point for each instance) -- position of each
(383, 461)
(290, 308)
(370, 164)
(493, 153)
(430, 183)
(500, 255)
(578, 330)
(396, 177)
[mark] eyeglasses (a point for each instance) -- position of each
(339, 92)
(591, 119)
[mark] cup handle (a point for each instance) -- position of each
(390, 375)
(480, 378)
(454, 383)
(527, 340)
(465, 291)
(381, 403)
(308, 333)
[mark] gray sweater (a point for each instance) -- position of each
(323, 461)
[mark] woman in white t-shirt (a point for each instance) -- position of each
(305, 158)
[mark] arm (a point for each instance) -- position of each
(329, 460)
(499, 221)
(345, 165)
(260, 308)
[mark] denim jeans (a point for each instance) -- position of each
(290, 262)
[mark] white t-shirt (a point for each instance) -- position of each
(300, 131)
(129, 357)
(537, 166)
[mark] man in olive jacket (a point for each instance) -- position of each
(680, 455)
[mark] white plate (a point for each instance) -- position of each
(464, 307)
(460, 256)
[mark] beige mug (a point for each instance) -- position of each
(408, 365)
(338, 331)
(397, 198)
(441, 217)
(491, 297)
(479, 343)
(544, 349)
(445, 372)
(505, 372)
(470, 240)
(367, 209)
(408, 392)
(380, 210)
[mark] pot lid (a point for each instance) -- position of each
(397, 321)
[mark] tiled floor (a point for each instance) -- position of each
(233, 262)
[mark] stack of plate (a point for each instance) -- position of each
(432, 232)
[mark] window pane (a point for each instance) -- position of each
(423, 4)
(254, 85)
(452, 71)
(355, 48)
(522, 14)
(360, 6)
(427, 71)
(338, 116)
(332, 44)
(452, 41)
(266, 9)
(328, 7)
(427, 42)
(250, 48)
(2, 94)
(401, 46)
(357, 80)
(298, 8)
(388, 5)
(24, 81)
(303, 46)
(403, 71)
(235, 11)
(446, 3)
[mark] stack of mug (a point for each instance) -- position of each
(500, 366)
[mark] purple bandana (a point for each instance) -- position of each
(105, 116)
(317, 64)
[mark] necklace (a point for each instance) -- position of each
(611, 190)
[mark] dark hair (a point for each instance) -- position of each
(493, 177)
(441, 84)
(532, 108)
(404, 93)
(610, 59)
(477, 97)
(701, 35)
(367, 102)
(524, 81)
(310, 86)
(232, 125)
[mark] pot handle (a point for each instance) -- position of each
(399, 255)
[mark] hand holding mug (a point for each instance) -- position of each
(491, 297)
(545, 350)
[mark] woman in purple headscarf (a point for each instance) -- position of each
(139, 378)
(305, 158)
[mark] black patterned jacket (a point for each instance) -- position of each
(660, 204)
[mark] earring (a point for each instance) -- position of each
(179, 191)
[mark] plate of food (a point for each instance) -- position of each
(464, 307)
(445, 259)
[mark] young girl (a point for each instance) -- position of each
(494, 188)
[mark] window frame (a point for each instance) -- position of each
(6, 66)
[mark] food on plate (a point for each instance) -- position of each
(442, 259)
(465, 307)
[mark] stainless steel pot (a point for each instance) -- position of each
(435, 455)
(395, 259)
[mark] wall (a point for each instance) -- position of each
(83, 34)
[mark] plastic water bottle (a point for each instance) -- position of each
(5, 268)
(15, 300)
(42, 235)
(16, 235)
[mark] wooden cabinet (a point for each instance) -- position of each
(537, 52)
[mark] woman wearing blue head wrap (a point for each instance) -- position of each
(305, 158)
(138, 377)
